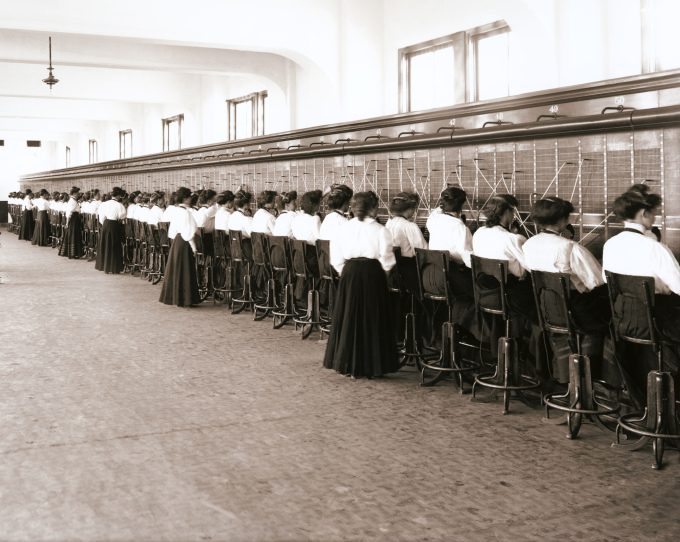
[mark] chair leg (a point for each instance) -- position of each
(288, 310)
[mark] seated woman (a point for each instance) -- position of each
(156, 212)
(180, 284)
(225, 206)
(241, 220)
(287, 214)
(362, 340)
(449, 233)
(205, 215)
(634, 252)
(552, 252)
(338, 200)
(41, 233)
(170, 209)
(264, 219)
(305, 227)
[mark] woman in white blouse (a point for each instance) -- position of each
(288, 202)
(362, 341)
(72, 244)
(225, 206)
(550, 251)
(112, 233)
(156, 212)
(180, 284)
(264, 219)
(305, 227)
(41, 232)
(338, 200)
(633, 252)
(205, 215)
(27, 221)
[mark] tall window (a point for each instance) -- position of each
(172, 133)
(246, 116)
(93, 151)
(462, 67)
(68, 156)
(125, 140)
(660, 49)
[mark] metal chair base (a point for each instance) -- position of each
(288, 310)
(246, 300)
(449, 361)
(580, 401)
(658, 423)
(313, 317)
(269, 304)
(225, 295)
(507, 378)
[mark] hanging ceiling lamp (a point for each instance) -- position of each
(51, 80)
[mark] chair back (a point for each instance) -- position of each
(323, 255)
(258, 241)
(552, 298)
(152, 235)
(129, 228)
(236, 245)
(299, 253)
(163, 228)
(632, 303)
(489, 285)
(198, 239)
(395, 284)
(219, 240)
(436, 262)
(280, 254)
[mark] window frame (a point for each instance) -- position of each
(68, 156)
(179, 119)
(93, 146)
(257, 100)
(121, 143)
(465, 63)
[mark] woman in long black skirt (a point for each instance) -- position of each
(112, 234)
(27, 221)
(180, 284)
(72, 244)
(362, 340)
(41, 232)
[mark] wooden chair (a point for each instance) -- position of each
(261, 261)
(240, 257)
(281, 258)
(312, 317)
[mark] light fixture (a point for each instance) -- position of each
(51, 80)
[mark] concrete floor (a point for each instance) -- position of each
(125, 419)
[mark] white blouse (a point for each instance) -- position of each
(42, 204)
(72, 207)
(362, 239)
(155, 215)
(556, 254)
(141, 213)
(497, 243)
(406, 235)
(183, 223)
(131, 210)
(264, 221)
(306, 228)
(205, 218)
(111, 210)
(85, 207)
(282, 226)
(331, 224)
(222, 219)
(240, 222)
(94, 205)
(167, 214)
(629, 253)
(449, 233)
(27, 204)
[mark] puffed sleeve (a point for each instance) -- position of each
(519, 266)
(466, 243)
(586, 267)
(666, 266)
(415, 236)
(187, 228)
(387, 259)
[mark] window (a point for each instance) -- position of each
(33, 143)
(172, 133)
(465, 66)
(660, 51)
(125, 140)
(93, 151)
(2, 142)
(68, 156)
(246, 116)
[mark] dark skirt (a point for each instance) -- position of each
(180, 284)
(72, 244)
(27, 225)
(110, 250)
(362, 341)
(41, 233)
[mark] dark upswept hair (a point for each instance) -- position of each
(225, 197)
(242, 198)
(549, 211)
(638, 196)
(310, 200)
(156, 197)
(265, 197)
(182, 194)
(44, 192)
(28, 191)
(74, 190)
(204, 196)
(363, 203)
(339, 195)
(496, 207)
(287, 197)
(452, 199)
(404, 201)
(117, 192)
